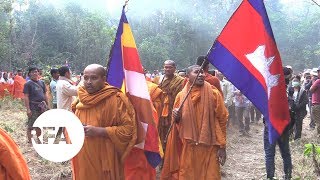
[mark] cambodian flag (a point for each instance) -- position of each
(125, 72)
(246, 53)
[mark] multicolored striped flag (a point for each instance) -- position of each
(125, 72)
(246, 53)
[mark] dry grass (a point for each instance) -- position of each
(13, 119)
(245, 154)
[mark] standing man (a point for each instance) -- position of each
(55, 76)
(242, 109)
(282, 141)
(300, 101)
(35, 99)
(171, 85)
(315, 90)
(18, 84)
(197, 142)
(65, 89)
(109, 125)
(214, 81)
(227, 89)
(307, 85)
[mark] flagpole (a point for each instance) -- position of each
(112, 46)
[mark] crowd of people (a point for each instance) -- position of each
(192, 123)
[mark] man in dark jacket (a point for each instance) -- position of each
(300, 100)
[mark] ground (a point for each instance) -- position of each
(245, 155)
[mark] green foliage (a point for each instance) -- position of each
(45, 35)
(308, 150)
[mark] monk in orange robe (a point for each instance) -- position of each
(196, 144)
(109, 125)
(171, 85)
(214, 81)
(137, 165)
(18, 85)
(12, 164)
(155, 95)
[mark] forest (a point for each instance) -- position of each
(37, 32)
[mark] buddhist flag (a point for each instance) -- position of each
(246, 53)
(125, 72)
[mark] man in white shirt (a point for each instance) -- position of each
(55, 76)
(227, 89)
(65, 89)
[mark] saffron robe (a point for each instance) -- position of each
(12, 164)
(155, 95)
(103, 157)
(193, 143)
(170, 88)
(214, 81)
(18, 85)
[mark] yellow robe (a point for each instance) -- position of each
(103, 158)
(193, 143)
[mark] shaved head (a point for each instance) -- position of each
(98, 68)
(169, 68)
(191, 68)
(94, 77)
(170, 62)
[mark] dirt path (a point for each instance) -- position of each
(245, 154)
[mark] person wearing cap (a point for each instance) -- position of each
(315, 90)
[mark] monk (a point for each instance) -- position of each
(12, 164)
(171, 85)
(155, 95)
(136, 164)
(214, 81)
(18, 85)
(196, 143)
(109, 125)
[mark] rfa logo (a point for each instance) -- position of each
(58, 135)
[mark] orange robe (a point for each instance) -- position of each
(193, 143)
(5, 89)
(155, 95)
(170, 88)
(18, 84)
(12, 164)
(103, 158)
(137, 165)
(214, 81)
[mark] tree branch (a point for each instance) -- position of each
(315, 3)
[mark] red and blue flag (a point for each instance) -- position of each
(246, 53)
(126, 73)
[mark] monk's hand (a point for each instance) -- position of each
(222, 155)
(29, 113)
(92, 131)
(176, 115)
